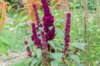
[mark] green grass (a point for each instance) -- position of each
(15, 38)
(24, 62)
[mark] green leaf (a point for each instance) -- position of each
(34, 61)
(51, 43)
(79, 45)
(54, 63)
(3, 45)
(62, 64)
(22, 14)
(16, 16)
(10, 25)
(3, 50)
(73, 64)
(22, 20)
(4, 42)
(38, 52)
(57, 56)
(75, 58)
(39, 62)
(78, 64)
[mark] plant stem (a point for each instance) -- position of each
(85, 20)
(98, 14)
(85, 30)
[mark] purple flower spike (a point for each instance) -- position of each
(34, 37)
(29, 53)
(67, 55)
(43, 36)
(25, 42)
(36, 15)
(67, 32)
(46, 8)
(44, 44)
(69, 15)
(53, 50)
(34, 31)
(75, 52)
(37, 41)
(47, 60)
(48, 21)
(44, 53)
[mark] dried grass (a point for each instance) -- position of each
(29, 7)
(3, 7)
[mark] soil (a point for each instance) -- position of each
(14, 56)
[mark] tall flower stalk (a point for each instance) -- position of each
(48, 21)
(85, 21)
(67, 34)
(40, 43)
(35, 38)
(45, 48)
(46, 35)
(29, 53)
(36, 15)
(75, 52)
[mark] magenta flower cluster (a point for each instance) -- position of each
(36, 14)
(75, 52)
(67, 33)
(40, 43)
(44, 46)
(34, 37)
(47, 34)
(44, 42)
(41, 40)
(48, 21)
(37, 17)
(29, 53)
